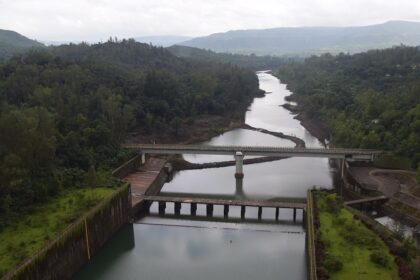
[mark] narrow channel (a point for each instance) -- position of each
(184, 248)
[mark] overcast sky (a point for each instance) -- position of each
(95, 20)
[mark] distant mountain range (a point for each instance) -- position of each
(163, 41)
(311, 40)
(12, 43)
(285, 41)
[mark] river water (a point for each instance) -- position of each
(184, 248)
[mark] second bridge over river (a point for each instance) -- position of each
(240, 151)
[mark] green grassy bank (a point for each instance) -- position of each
(350, 250)
(28, 233)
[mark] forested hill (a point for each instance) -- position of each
(305, 41)
(369, 100)
(249, 61)
(13, 43)
(65, 110)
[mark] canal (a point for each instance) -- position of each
(179, 247)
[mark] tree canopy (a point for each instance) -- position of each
(65, 110)
(369, 100)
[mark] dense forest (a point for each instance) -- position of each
(252, 61)
(65, 110)
(368, 100)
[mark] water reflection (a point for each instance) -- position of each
(269, 180)
(167, 252)
(112, 254)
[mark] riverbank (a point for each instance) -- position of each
(315, 126)
(179, 164)
(29, 233)
(199, 129)
(298, 142)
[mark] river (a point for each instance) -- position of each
(184, 248)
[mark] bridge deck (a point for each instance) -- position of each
(358, 154)
(366, 200)
(251, 203)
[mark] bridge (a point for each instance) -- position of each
(210, 202)
(240, 151)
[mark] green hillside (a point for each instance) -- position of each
(13, 43)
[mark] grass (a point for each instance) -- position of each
(351, 243)
(30, 232)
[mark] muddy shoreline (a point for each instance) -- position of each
(179, 164)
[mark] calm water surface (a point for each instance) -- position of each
(182, 248)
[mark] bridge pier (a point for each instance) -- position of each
(243, 211)
(177, 208)
(162, 206)
(239, 157)
(209, 210)
(259, 213)
(226, 211)
(193, 209)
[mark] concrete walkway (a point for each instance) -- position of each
(142, 179)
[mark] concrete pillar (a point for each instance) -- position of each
(193, 209)
(239, 157)
(209, 210)
(243, 212)
(239, 193)
(259, 213)
(226, 211)
(162, 206)
(143, 158)
(177, 208)
(147, 207)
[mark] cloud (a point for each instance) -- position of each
(99, 19)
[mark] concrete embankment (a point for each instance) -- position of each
(145, 179)
(70, 250)
(67, 253)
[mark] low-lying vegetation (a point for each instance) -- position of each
(346, 248)
(28, 233)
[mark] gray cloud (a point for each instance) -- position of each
(99, 19)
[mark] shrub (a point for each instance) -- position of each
(379, 259)
(333, 204)
(332, 264)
